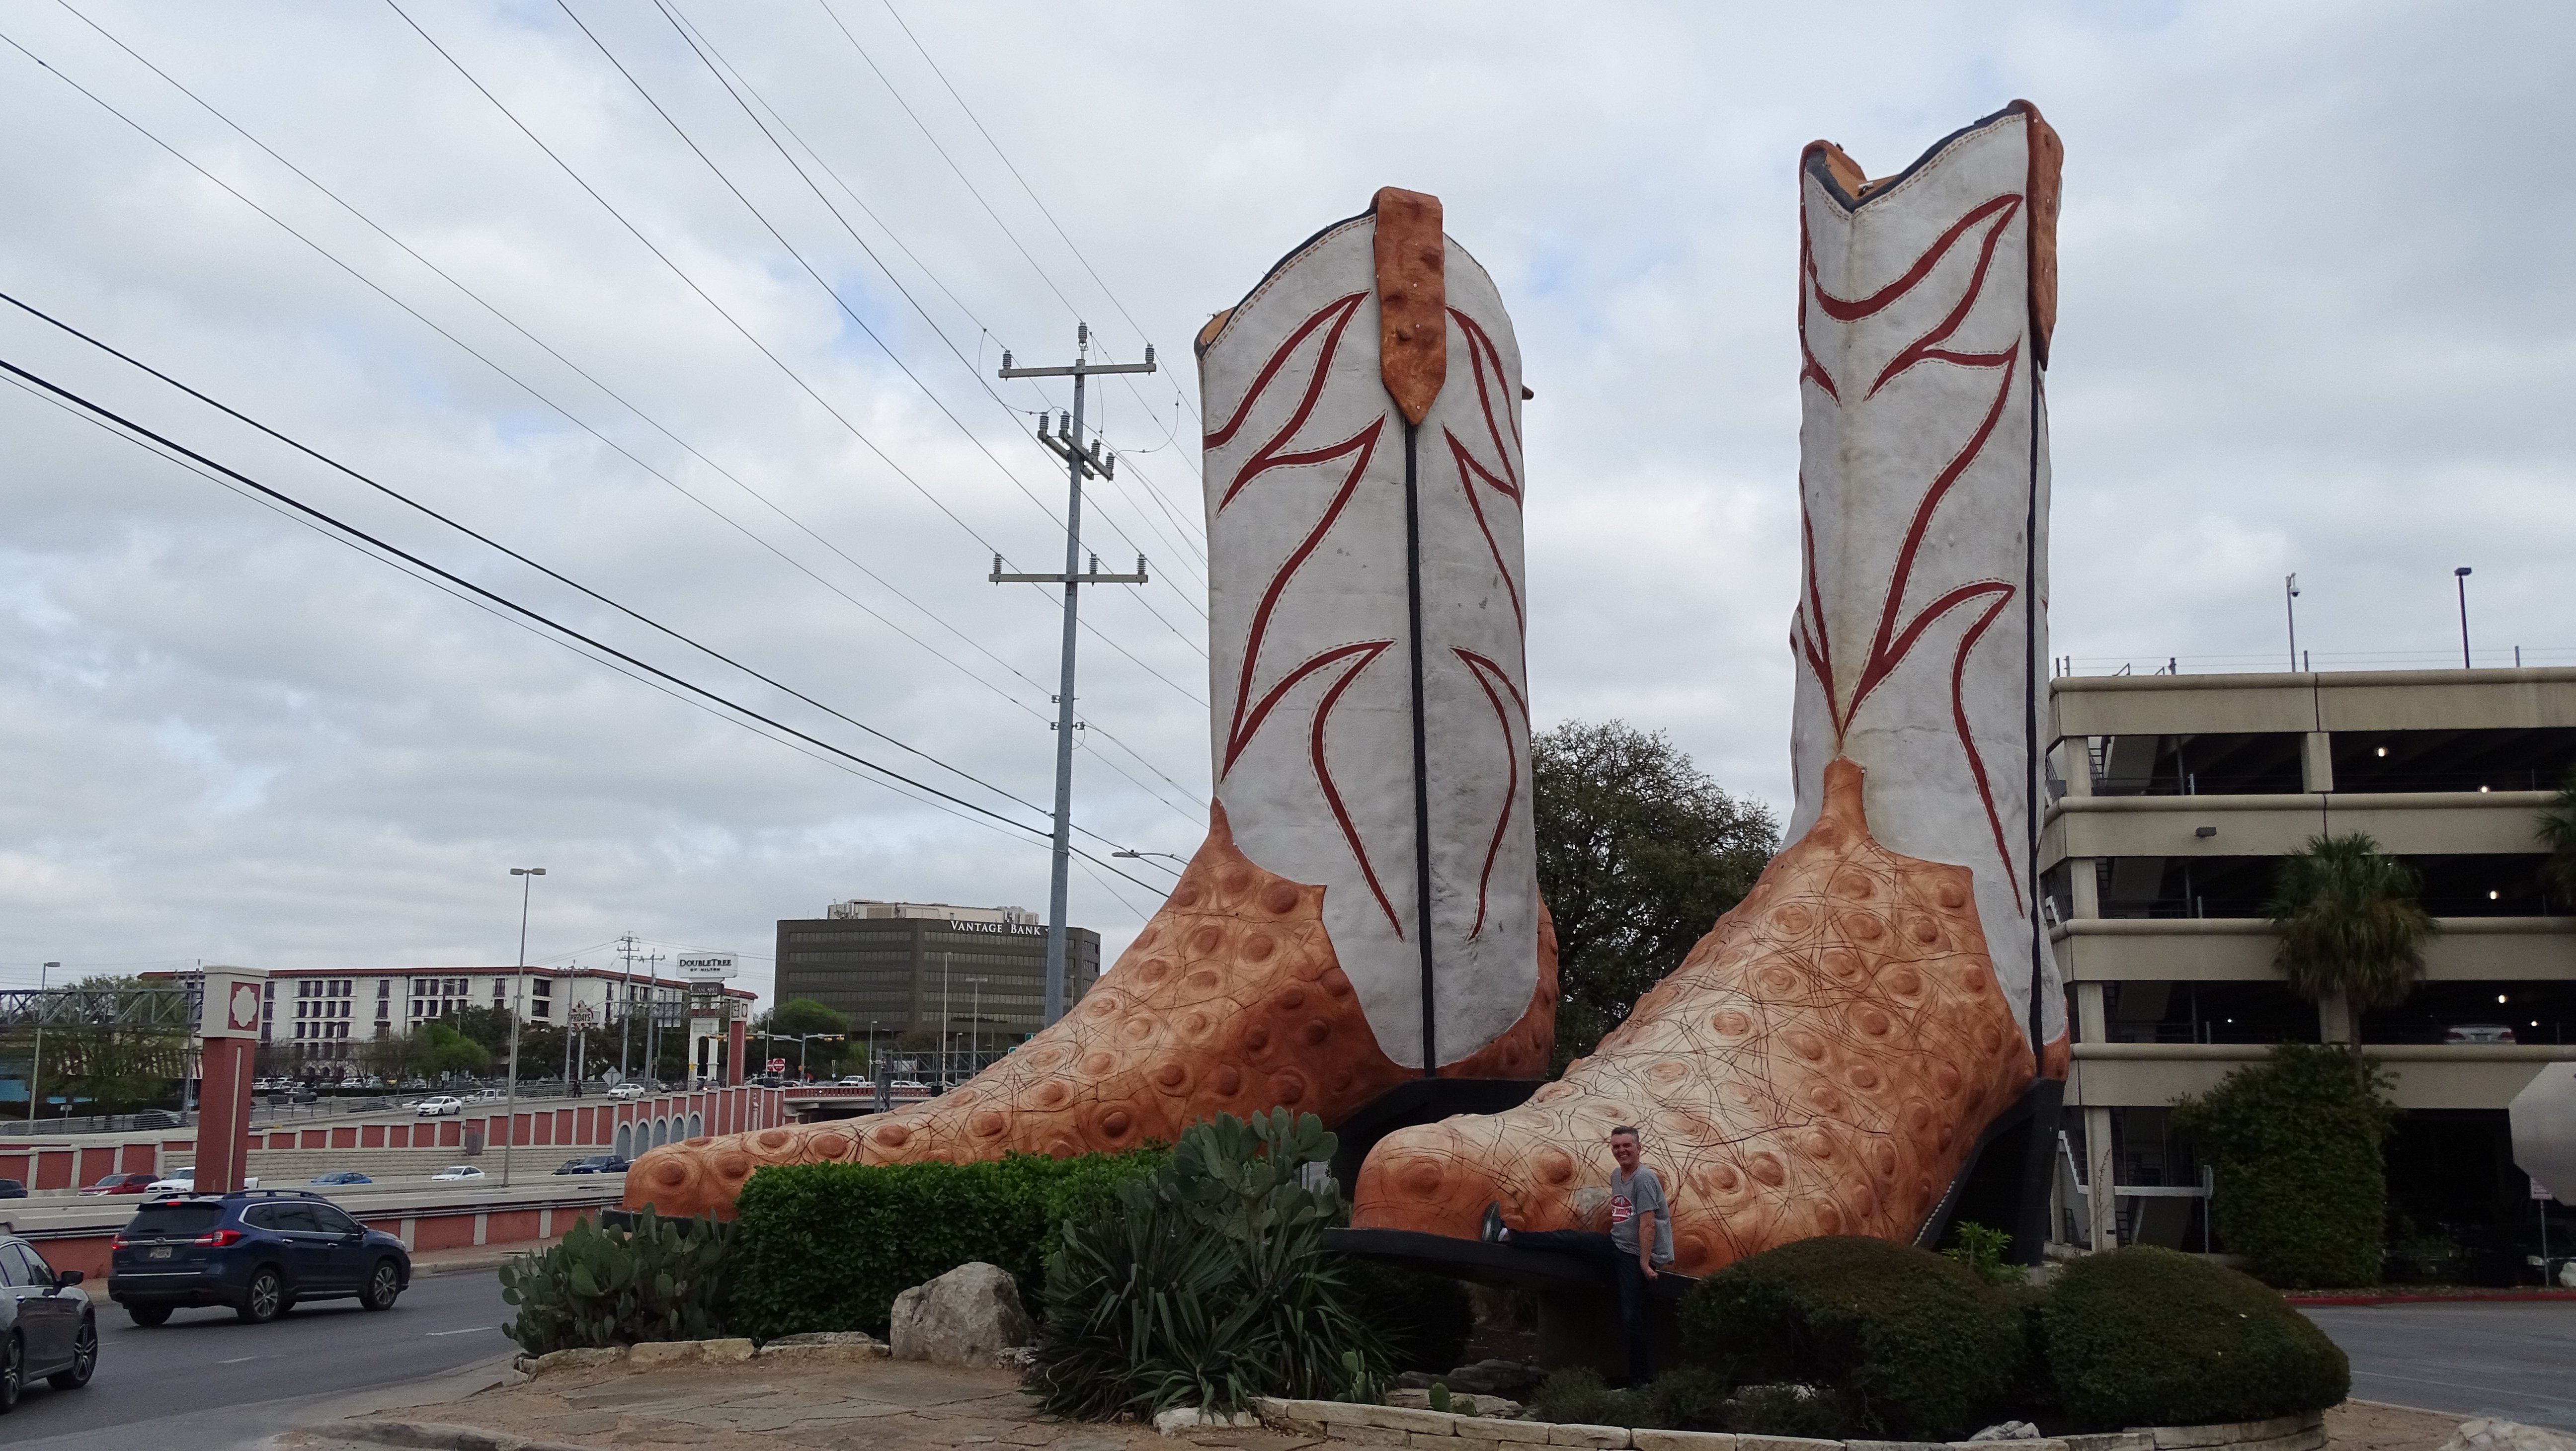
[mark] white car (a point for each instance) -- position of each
(627, 1090)
(456, 1172)
(489, 1095)
(440, 1104)
(907, 1085)
(185, 1183)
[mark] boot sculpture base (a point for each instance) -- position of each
(1231, 1000)
(1821, 1063)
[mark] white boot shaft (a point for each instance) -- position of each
(1924, 306)
(1312, 617)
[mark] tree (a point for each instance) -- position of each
(2349, 925)
(2297, 1147)
(1639, 852)
(2557, 830)
(800, 1016)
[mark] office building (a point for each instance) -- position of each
(907, 968)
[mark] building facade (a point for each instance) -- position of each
(2174, 798)
(323, 1016)
(900, 968)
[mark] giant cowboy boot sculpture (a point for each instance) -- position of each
(1365, 908)
(1825, 1059)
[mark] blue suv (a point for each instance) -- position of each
(259, 1251)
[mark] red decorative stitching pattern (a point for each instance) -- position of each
(1261, 381)
(1238, 733)
(1324, 773)
(1486, 673)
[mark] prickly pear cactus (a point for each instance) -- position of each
(664, 1279)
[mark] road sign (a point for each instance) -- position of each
(581, 1015)
(777, 1065)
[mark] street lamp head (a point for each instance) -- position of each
(2462, 571)
(527, 871)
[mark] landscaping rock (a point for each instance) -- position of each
(2008, 1431)
(965, 1317)
(663, 1352)
(1462, 1403)
(574, 1359)
(828, 1337)
(2489, 1434)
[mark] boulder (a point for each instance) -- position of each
(967, 1316)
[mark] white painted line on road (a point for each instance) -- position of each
(239, 1359)
(434, 1334)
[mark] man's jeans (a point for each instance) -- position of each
(1623, 1271)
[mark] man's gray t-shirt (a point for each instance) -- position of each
(1635, 1194)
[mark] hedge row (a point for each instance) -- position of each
(1904, 1343)
(829, 1246)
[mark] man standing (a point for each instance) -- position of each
(1639, 1243)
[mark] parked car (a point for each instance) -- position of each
(595, 1164)
(488, 1095)
(122, 1184)
(456, 1172)
(627, 1090)
(340, 1176)
(261, 1252)
(183, 1181)
(2478, 1033)
(438, 1104)
(47, 1327)
(12, 1189)
(158, 1118)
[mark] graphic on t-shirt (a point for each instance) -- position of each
(1622, 1209)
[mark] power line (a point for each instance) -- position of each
(526, 387)
(802, 261)
(799, 565)
(782, 365)
(972, 190)
(418, 563)
(721, 66)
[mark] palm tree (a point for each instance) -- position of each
(2558, 833)
(2349, 925)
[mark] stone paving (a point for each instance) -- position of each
(887, 1405)
(879, 1405)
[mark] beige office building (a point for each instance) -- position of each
(2173, 798)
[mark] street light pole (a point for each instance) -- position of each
(36, 1067)
(2290, 601)
(518, 1005)
(2461, 577)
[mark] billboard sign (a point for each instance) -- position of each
(707, 967)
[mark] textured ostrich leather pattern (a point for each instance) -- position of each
(1822, 1063)
(1229, 1001)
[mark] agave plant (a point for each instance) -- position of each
(664, 1279)
(1209, 1286)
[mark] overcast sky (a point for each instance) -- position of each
(2316, 316)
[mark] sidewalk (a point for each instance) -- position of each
(883, 1405)
(759, 1405)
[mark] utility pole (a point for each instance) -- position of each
(2461, 576)
(36, 1068)
(1067, 444)
(653, 1019)
(626, 990)
(518, 1008)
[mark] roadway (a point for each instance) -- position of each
(2473, 1358)
(207, 1382)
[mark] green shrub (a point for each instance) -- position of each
(665, 1279)
(1581, 1397)
(2145, 1336)
(1425, 1320)
(1981, 1249)
(1688, 1398)
(2296, 1144)
(1914, 1344)
(1208, 1285)
(829, 1246)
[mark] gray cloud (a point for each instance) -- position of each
(2315, 318)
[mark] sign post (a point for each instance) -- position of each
(711, 1015)
(228, 1040)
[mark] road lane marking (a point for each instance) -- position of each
(239, 1359)
(434, 1334)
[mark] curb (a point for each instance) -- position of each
(2492, 1297)
(438, 1436)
